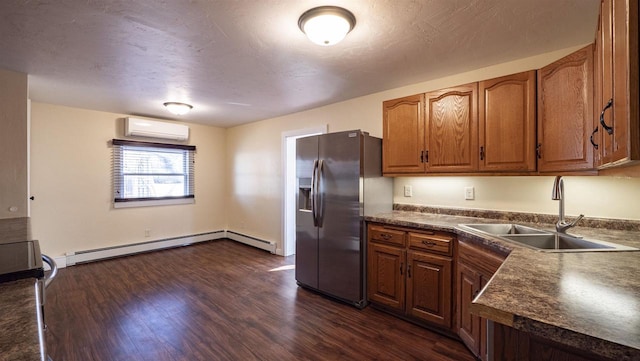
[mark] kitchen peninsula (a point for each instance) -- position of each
(587, 302)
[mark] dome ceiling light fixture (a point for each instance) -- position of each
(178, 108)
(326, 25)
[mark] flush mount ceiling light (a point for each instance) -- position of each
(326, 25)
(178, 108)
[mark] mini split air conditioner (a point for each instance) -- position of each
(153, 129)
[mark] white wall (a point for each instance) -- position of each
(71, 181)
(255, 171)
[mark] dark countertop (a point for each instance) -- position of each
(19, 330)
(587, 300)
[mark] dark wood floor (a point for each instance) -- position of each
(218, 300)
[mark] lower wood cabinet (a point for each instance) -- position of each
(429, 288)
(475, 266)
(513, 345)
(410, 273)
(386, 275)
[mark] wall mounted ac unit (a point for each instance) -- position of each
(153, 129)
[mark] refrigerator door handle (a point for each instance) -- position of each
(320, 198)
(314, 191)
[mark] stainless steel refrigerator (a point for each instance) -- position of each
(339, 182)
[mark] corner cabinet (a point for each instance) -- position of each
(616, 132)
(403, 135)
(410, 273)
(475, 267)
(565, 113)
(507, 120)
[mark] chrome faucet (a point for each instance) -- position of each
(557, 194)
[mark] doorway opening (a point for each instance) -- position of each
(290, 184)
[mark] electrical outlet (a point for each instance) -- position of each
(469, 193)
(408, 191)
(147, 232)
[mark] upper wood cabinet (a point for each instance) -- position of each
(616, 132)
(507, 123)
(452, 129)
(565, 113)
(403, 135)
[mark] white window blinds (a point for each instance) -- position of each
(144, 171)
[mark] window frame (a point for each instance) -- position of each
(118, 174)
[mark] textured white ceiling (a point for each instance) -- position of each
(238, 61)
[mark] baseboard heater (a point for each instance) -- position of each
(117, 251)
(252, 241)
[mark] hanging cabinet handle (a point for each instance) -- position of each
(482, 153)
(429, 243)
(604, 125)
(385, 236)
(409, 270)
(422, 156)
(538, 151)
(595, 146)
(401, 269)
(426, 156)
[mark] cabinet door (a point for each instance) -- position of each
(385, 282)
(468, 285)
(507, 120)
(403, 135)
(619, 42)
(429, 288)
(565, 113)
(452, 129)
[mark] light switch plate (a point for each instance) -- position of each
(469, 193)
(408, 191)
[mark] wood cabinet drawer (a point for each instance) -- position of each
(386, 235)
(432, 241)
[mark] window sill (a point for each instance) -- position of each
(152, 203)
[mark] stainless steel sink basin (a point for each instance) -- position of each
(562, 242)
(504, 228)
(545, 241)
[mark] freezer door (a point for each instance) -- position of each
(339, 257)
(306, 232)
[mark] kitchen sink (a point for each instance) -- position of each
(504, 228)
(542, 240)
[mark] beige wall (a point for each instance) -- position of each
(595, 197)
(14, 147)
(71, 182)
(256, 181)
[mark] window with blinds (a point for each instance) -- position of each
(147, 174)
